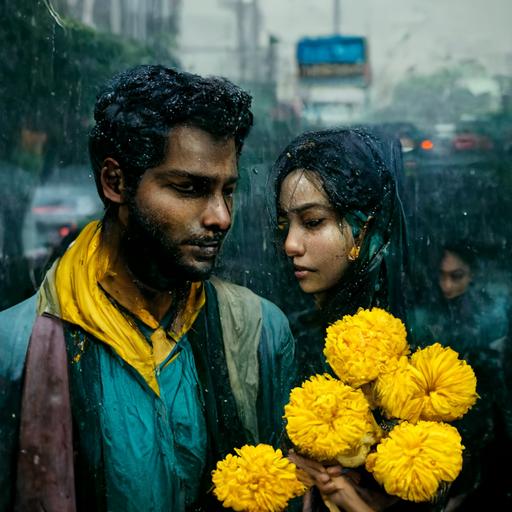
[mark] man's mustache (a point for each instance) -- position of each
(205, 241)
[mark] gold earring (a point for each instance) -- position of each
(354, 253)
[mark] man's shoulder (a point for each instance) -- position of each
(15, 328)
(246, 301)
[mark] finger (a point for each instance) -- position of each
(305, 478)
(308, 465)
(327, 488)
(333, 471)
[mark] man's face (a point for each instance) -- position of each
(181, 210)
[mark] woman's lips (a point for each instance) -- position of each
(302, 272)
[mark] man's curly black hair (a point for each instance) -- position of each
(136, 110)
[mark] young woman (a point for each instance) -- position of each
(342, 222)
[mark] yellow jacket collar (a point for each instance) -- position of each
(72, 291)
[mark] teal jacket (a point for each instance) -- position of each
(226, 385)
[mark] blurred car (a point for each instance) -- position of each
(473, 136)
(58, 208)
(416, 144)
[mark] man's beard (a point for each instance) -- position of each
(153, 258)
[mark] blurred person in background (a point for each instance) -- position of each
(141, 372)
(463, 312)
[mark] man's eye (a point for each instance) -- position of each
(228, 192)
(187, 188)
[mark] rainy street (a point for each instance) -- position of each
(199, 198)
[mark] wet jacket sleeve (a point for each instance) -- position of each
(15, 328)
(277, 372)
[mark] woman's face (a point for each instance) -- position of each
(454, 276)
(317, 240)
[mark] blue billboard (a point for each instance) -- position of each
(332, 49)
(332, 56)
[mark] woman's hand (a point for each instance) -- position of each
(312, 472)
(336, 484)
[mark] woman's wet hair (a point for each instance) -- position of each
(358, 173)
(464, 251)
(138, 107)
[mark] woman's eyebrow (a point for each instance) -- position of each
(303, 207)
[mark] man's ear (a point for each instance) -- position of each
(112, 181)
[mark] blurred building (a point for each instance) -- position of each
(135, 19)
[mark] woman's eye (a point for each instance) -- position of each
(282, 224)
(313, 223)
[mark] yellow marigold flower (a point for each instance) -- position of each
(435, 385)
(397, 391)
(449, 383)
(257, 479)
(414, 459)
(359, 347)
(329, 420)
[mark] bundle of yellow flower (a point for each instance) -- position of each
(434, 385)
(360, 347)
(328, 420)
(414, 459)
(258, 479)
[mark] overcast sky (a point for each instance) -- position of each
(404, 35)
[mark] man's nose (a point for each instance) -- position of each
(217, 216)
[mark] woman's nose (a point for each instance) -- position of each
(294, 244)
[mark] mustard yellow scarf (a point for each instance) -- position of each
(83, 302)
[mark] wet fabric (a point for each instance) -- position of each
(45, 471)
(15, 328)
(131, 439)
(137, 450)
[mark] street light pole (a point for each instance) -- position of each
(336, 16)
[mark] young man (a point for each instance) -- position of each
(168, 371)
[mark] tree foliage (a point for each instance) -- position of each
(52, 68)
(440, 97)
